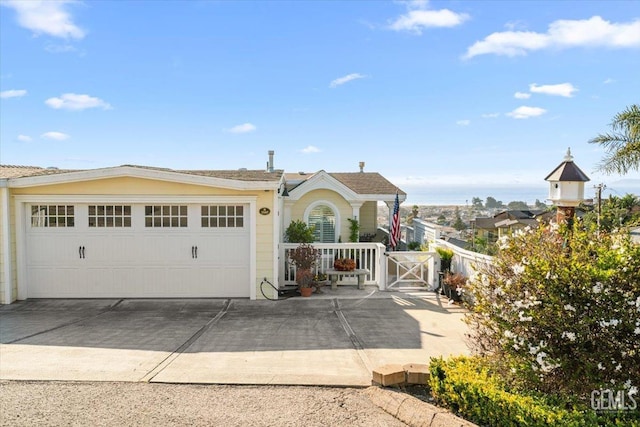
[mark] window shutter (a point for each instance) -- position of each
(324, 221)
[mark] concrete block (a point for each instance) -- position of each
(417, 373)
(388, 375)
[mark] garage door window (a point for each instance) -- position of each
(165, 216)
(52, 216)
(224, 216)
(109, 216)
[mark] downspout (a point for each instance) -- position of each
(6, 242)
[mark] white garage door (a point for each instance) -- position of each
(84, 250)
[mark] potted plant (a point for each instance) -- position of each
(319, 280)
(304, 257)
(446, 255)
(453, 285)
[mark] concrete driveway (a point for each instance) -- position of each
(322, 340)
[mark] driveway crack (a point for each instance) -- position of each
(357, 344)
(188, 343)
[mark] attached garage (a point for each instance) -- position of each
(137, 232)
(120, 249)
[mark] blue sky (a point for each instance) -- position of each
(428, 93)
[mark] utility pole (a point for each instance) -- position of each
(599, 189)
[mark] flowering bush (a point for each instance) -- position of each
(558, 310)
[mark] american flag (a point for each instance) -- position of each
(394, 238)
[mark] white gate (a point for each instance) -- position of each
(411, 269)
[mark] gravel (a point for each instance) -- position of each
(27, 403)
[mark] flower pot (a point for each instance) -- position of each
(344, 264)
(306, 292)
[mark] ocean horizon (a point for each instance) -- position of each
(461, 196)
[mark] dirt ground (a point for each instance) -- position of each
(140, 404)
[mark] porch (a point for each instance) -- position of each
(393, 271)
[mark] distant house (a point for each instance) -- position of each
(506, 222)
(137, 231)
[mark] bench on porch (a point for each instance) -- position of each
(334, 274)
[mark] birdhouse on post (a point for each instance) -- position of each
(566, 187)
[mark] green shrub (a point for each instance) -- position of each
(469, 388)
(414, 246)
(299, 232)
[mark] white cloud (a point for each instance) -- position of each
(46, 17)
(24, 138)
(59, 48)
(13, 93)
(58, 136)
(609, 81)
(463, 122)
(243, 128)
(562, 89)
(490, 115)
(310, 149)
(76, 102)
(525, 112)
(522, 95)
(416, 21)
(561, 34)
(345, 79)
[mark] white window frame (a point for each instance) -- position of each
(336, 213)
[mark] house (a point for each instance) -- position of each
(136, 231)
(505, 222)
(326, 200)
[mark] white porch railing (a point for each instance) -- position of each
(464, 261)
(411, 269)
(367, 255)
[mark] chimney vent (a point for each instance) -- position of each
(361, 164)
(270, 164)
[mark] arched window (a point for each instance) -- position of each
(323, 219)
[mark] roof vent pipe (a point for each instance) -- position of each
(270, 164)
(361, 164)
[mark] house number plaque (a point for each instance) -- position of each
(265, 211)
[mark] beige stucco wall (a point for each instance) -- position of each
(146, 187)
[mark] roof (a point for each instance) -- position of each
(9, 171)
(567, 171)
(358, 182)
(366, 182)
